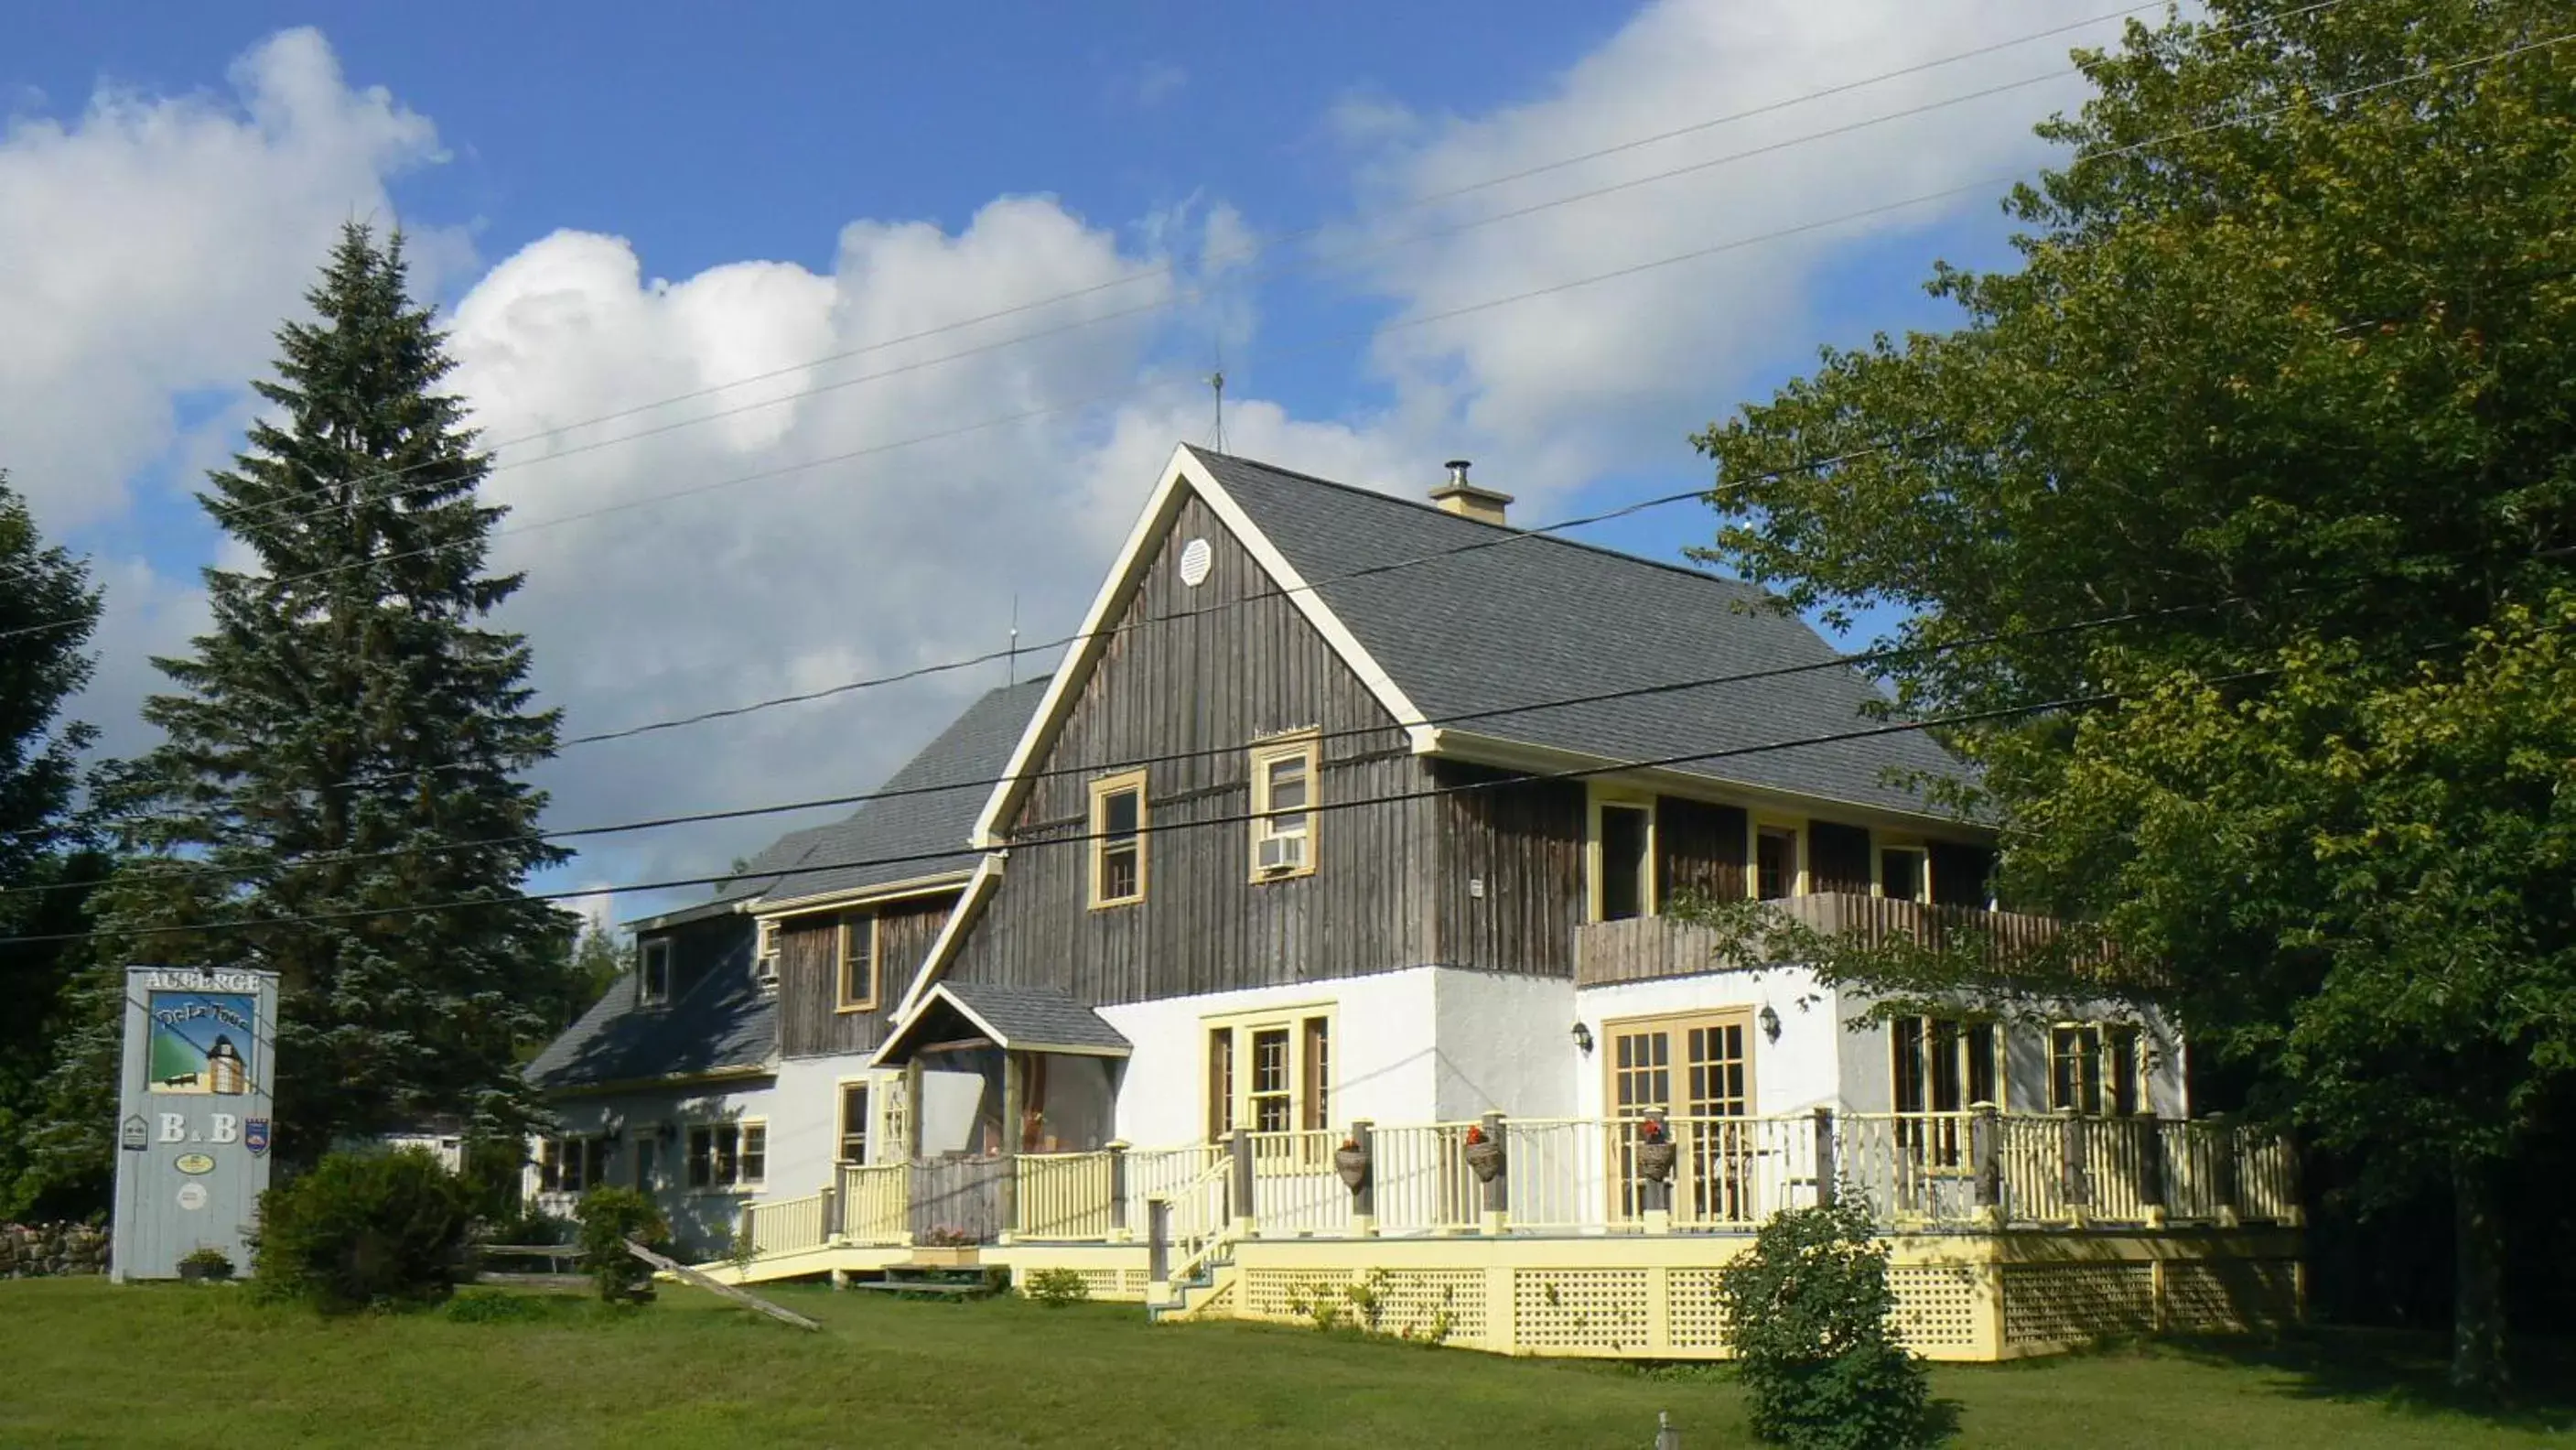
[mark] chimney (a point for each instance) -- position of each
(1466, 500)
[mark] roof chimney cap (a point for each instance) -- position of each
(1467, 500)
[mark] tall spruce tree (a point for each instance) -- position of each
(347, 704)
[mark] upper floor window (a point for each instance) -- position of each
(2095, 1068)
(653, 971)
(1623, 858)
(1283, 800)
(1118, 839)
(1777, 871)
(1904, 873)
(764, 960)
(858, 965)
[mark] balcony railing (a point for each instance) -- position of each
(1646, 947)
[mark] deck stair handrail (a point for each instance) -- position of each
(1200, 1221)
(786, 1225)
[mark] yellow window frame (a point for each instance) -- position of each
(1102, 789)
(1242, 1030)
(1755, 826)
(1880, 845)
(1649, 879)
(845, 929)
(1306, 746)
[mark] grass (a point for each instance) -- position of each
(88, 1363)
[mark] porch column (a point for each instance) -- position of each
(2151, 1167)
(1827, 1171)
(1158, 1249)
(1015, 1076)
(831, 1202)
(1498, 1190)
(1118, 1191)
(1986, 1152)
(1364, 1197)
(912, 1111)
(2222, 1170)
(2074, 1175)
(1240, 1143)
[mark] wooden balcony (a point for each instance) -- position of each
(1647, 947)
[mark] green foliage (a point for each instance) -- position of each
(1808, 1317)
(364, 1229)
(1057, 1288)
(532, 1226)
(346, 739)
(610, 1217)
(211, 1262)
(2297, 398)
(1362, 1307)
(496, 1306)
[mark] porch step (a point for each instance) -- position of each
(931, 1282)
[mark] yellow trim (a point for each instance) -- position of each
(1757, 822)
(1598, 795)
(841, 1107)
(841, 999)
(918, 886)
(1101, 789)
(741, 1183)
(2142, 1079)
(1241, 1026)
(1305, 745)
(1882, 843)
(645, 951)
(2002, 1064)
(764, 951)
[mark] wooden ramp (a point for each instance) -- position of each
(685, 1274)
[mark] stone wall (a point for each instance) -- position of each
(36, 1250)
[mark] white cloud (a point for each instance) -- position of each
(148, 248)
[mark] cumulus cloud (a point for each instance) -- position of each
(152, 244)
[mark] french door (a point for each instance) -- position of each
(1699, 1070)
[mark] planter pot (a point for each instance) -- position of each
(1353, 1165)
(1486, 1159)
(945, 1256)
(202, 1273)
(1655, 1160)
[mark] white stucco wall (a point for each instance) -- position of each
(1800, 1071)
(805, 1120)
(701, 1220)
(1504, 1044)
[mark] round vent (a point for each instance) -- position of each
(1196, 559)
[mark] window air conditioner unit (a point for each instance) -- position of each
(1282, 853)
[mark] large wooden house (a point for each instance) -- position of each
(1314, 923)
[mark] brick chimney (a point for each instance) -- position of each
(1456, 495)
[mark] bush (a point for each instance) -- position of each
(1807, 1314)
(209, 1262)
(1056, 1288)
(609, 1217)
(531, 1226)
(364, 1229)
(492, 1306)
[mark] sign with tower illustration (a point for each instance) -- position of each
(193, 1114)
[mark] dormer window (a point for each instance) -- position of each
(764, 961)
(1283, 815)
(653, 972)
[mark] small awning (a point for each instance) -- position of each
(1020, 1019)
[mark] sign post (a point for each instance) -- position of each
(193, 1108)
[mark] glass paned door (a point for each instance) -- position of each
(1705, 1057)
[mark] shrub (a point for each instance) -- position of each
(208, 1261)
(363, 1229)
(532, 1226)
(1807, 1313)
(609, 1217)
(1056, 1288)
(492, 1306)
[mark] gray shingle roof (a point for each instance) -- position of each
(724, 1021)
(966, 758)
(1036, 1016)
(1540, 618)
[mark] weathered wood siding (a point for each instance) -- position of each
(1522, 842)
(1202, 673)
(1838, 858)
(1701, 850)
(810, 1022)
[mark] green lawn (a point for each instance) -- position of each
(85, 1363)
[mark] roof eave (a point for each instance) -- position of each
(862, 895)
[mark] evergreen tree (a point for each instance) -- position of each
(48, 611)
(347, 703)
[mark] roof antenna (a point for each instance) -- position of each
(1011, 660)
(1216, 381)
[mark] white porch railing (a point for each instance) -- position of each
(787, 1225)
(875, 1202)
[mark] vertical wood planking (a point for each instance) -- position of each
(810, 1022)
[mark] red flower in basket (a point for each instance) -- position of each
(1475, 1133)
(1652, 1129)
(1483, 1154)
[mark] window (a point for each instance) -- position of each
(1623, 859)
(728, 1155)
(764, 962)
(1696, 1068)
(1283, 816)
(1775, 862)
(854, 1122)
(858, 969)
(653, 971)
(2095, 1067)
(1118, 839)
(573, 1163)
(1270, 1073)
(1942, 1068)
(1904, 874)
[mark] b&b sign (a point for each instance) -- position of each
(194, 1114)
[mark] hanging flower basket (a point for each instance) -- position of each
(1654, 1150)
(1484, 1155)
(1352, 1162)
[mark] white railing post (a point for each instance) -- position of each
(1364, 1197)
(2075, 1181)
(1986, 1149)
(1118, 1191)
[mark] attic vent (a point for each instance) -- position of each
(1196, 559)
(1456, 495)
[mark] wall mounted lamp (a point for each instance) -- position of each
(1770, 1024)
(1582, 1038)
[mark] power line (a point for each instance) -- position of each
(1452, 314)
(1258, 248)
(988, 783)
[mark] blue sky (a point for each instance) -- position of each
(622, 204)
